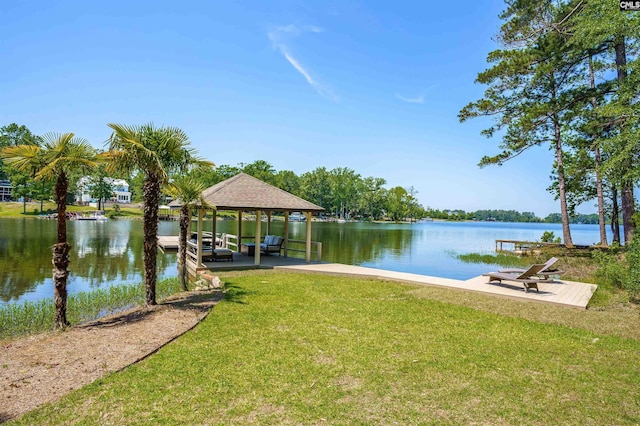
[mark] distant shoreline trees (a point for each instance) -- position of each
(510, 216)
(342, 192)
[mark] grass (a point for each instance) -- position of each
(502, 259)
(24, 318)
(15, 209)
(310, 349)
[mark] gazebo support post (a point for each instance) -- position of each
(269, 222)
(200, 226)
(257, 239)
(213, 229)
(286, 234)
(239, 248)
(308, 245)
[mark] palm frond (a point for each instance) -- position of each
(189, 191)
(63, 153)
(155, 151)
(25, 158)
(137, 148)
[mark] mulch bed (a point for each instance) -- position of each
(38, 369)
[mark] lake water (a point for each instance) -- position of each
(108, 253)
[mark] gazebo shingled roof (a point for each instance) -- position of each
(245, 192)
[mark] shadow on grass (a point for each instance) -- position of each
(236, 294)
(199, 302)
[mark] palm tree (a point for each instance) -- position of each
(155, 152)
(59, 155)
(188, 191)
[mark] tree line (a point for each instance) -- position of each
(509, 216)
(567, 75)
(341, 191)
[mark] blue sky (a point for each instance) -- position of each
(373, 86)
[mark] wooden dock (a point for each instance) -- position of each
(523, 246)
(168, 242)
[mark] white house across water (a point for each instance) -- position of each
(121, 193)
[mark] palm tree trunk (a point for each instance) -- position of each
(60, 257)
(182, 246)
(151, 190)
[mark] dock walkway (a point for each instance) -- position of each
(168, 242)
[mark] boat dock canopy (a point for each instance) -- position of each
(245, 193)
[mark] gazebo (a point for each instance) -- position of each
(245, 193)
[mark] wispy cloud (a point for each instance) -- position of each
(417, 99)
(414, 100)
(301, 70)
(280, 38)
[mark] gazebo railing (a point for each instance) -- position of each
(229, 241)
(316, 248)
(299, 246)
(296, 248)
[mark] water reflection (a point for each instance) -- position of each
(102, 253)
(106, 253)
(349, 243)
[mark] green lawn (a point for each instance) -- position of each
(16, 209)
(311, 349)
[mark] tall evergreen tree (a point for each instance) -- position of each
(531, 87)
(614, 36)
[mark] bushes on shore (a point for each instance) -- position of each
(621, 268)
